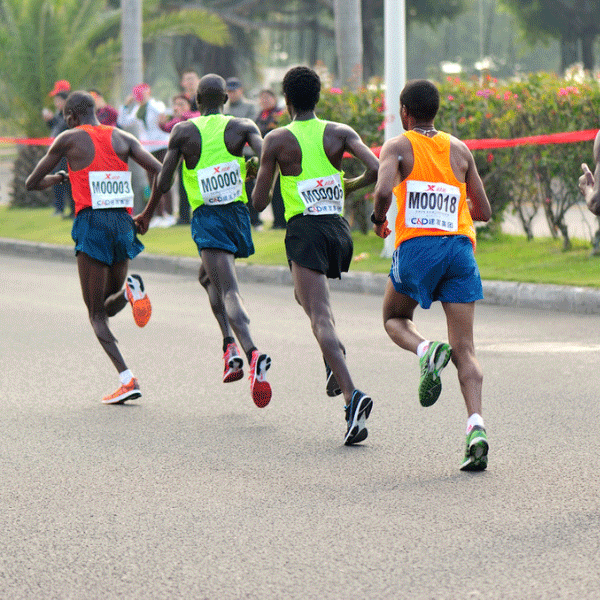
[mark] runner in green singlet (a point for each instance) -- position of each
(309, 154)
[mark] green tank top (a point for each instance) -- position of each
(219, 176)
(319, 189)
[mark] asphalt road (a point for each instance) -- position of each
(192, 492)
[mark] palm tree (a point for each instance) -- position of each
(42, 41)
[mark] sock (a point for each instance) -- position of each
(125, 377)
(226, 341)
(422, 348)
(249, 353)
(473, 420)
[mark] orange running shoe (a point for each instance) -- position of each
(140, 303)
(260, 388)
(233, 364)
(128, 391)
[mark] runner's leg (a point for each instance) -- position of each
(217, 275)
(460, 319)
(311, 290)
(115, 294)
(398, 311)
(94, 276)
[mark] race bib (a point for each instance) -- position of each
(431, 205)
(111, 189)
(323, 195)
(221, 184)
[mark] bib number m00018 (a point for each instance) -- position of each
(323, 195)
(221, 184)
(111, 189)
(431, 205)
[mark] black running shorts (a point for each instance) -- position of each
(322, 243)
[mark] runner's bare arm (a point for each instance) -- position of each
(41, 177)
(479, 205)
(261, 195)
(255, 142)
(387, 179)
(589, 184)
(362, 152)
(163, 181)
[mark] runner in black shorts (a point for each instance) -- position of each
(309, 152)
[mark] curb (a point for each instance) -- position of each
(560, 298)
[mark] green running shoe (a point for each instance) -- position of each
(432, 364)
(477, 450)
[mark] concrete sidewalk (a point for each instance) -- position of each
(503, 293)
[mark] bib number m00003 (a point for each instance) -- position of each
(111, 189)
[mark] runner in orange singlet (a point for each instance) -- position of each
(431, 174)
(104, 231)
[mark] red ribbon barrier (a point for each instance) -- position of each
(485, 144)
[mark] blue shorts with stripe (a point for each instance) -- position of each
(432, 268)
(226, 227)
(107, 235)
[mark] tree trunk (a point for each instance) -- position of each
(587, 52)
(131, 37)
(568, 54)
(348, 36)
(27, 159)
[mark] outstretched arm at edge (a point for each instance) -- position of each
(589, 184)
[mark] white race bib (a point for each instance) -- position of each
(221, 184)
(431, 205)
(323, 195)
(111, 189)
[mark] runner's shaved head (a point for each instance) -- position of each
(212, 91)
(81, 104)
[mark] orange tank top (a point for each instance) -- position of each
(105, 160)
(431, 201)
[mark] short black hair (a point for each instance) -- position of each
(80, 103)
(302, 88)
(421, 99)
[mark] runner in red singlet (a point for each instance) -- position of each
(104, 231)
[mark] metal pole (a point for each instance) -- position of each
(394, 15)
(131, 41)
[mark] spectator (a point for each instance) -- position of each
(267, 121)
(141, 109)
(240, 107)
(189, 84)
(182, 111)
(106, 114)
(57, 124)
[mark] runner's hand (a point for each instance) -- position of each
(251, 167)
(382, 230)
(586, 180)
(141, 223)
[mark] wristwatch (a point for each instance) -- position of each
(375, 221)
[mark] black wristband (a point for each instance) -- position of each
(375, 221)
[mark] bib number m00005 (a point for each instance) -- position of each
(322, 195)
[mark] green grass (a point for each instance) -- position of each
(505, 257)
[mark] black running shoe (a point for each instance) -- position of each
(357, 414)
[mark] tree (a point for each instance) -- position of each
(576, 23)
(42, 41)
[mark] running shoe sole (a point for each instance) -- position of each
(430, 385)
(476, 455)
(357, 429)
(141, 307)
(235, 371)
(261, 388)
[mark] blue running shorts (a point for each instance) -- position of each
(430, 268)
(108, 235)
(225, 227)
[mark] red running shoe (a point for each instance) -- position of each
(233, 364)
(140, 303)
(260, 388)
(126, 392)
